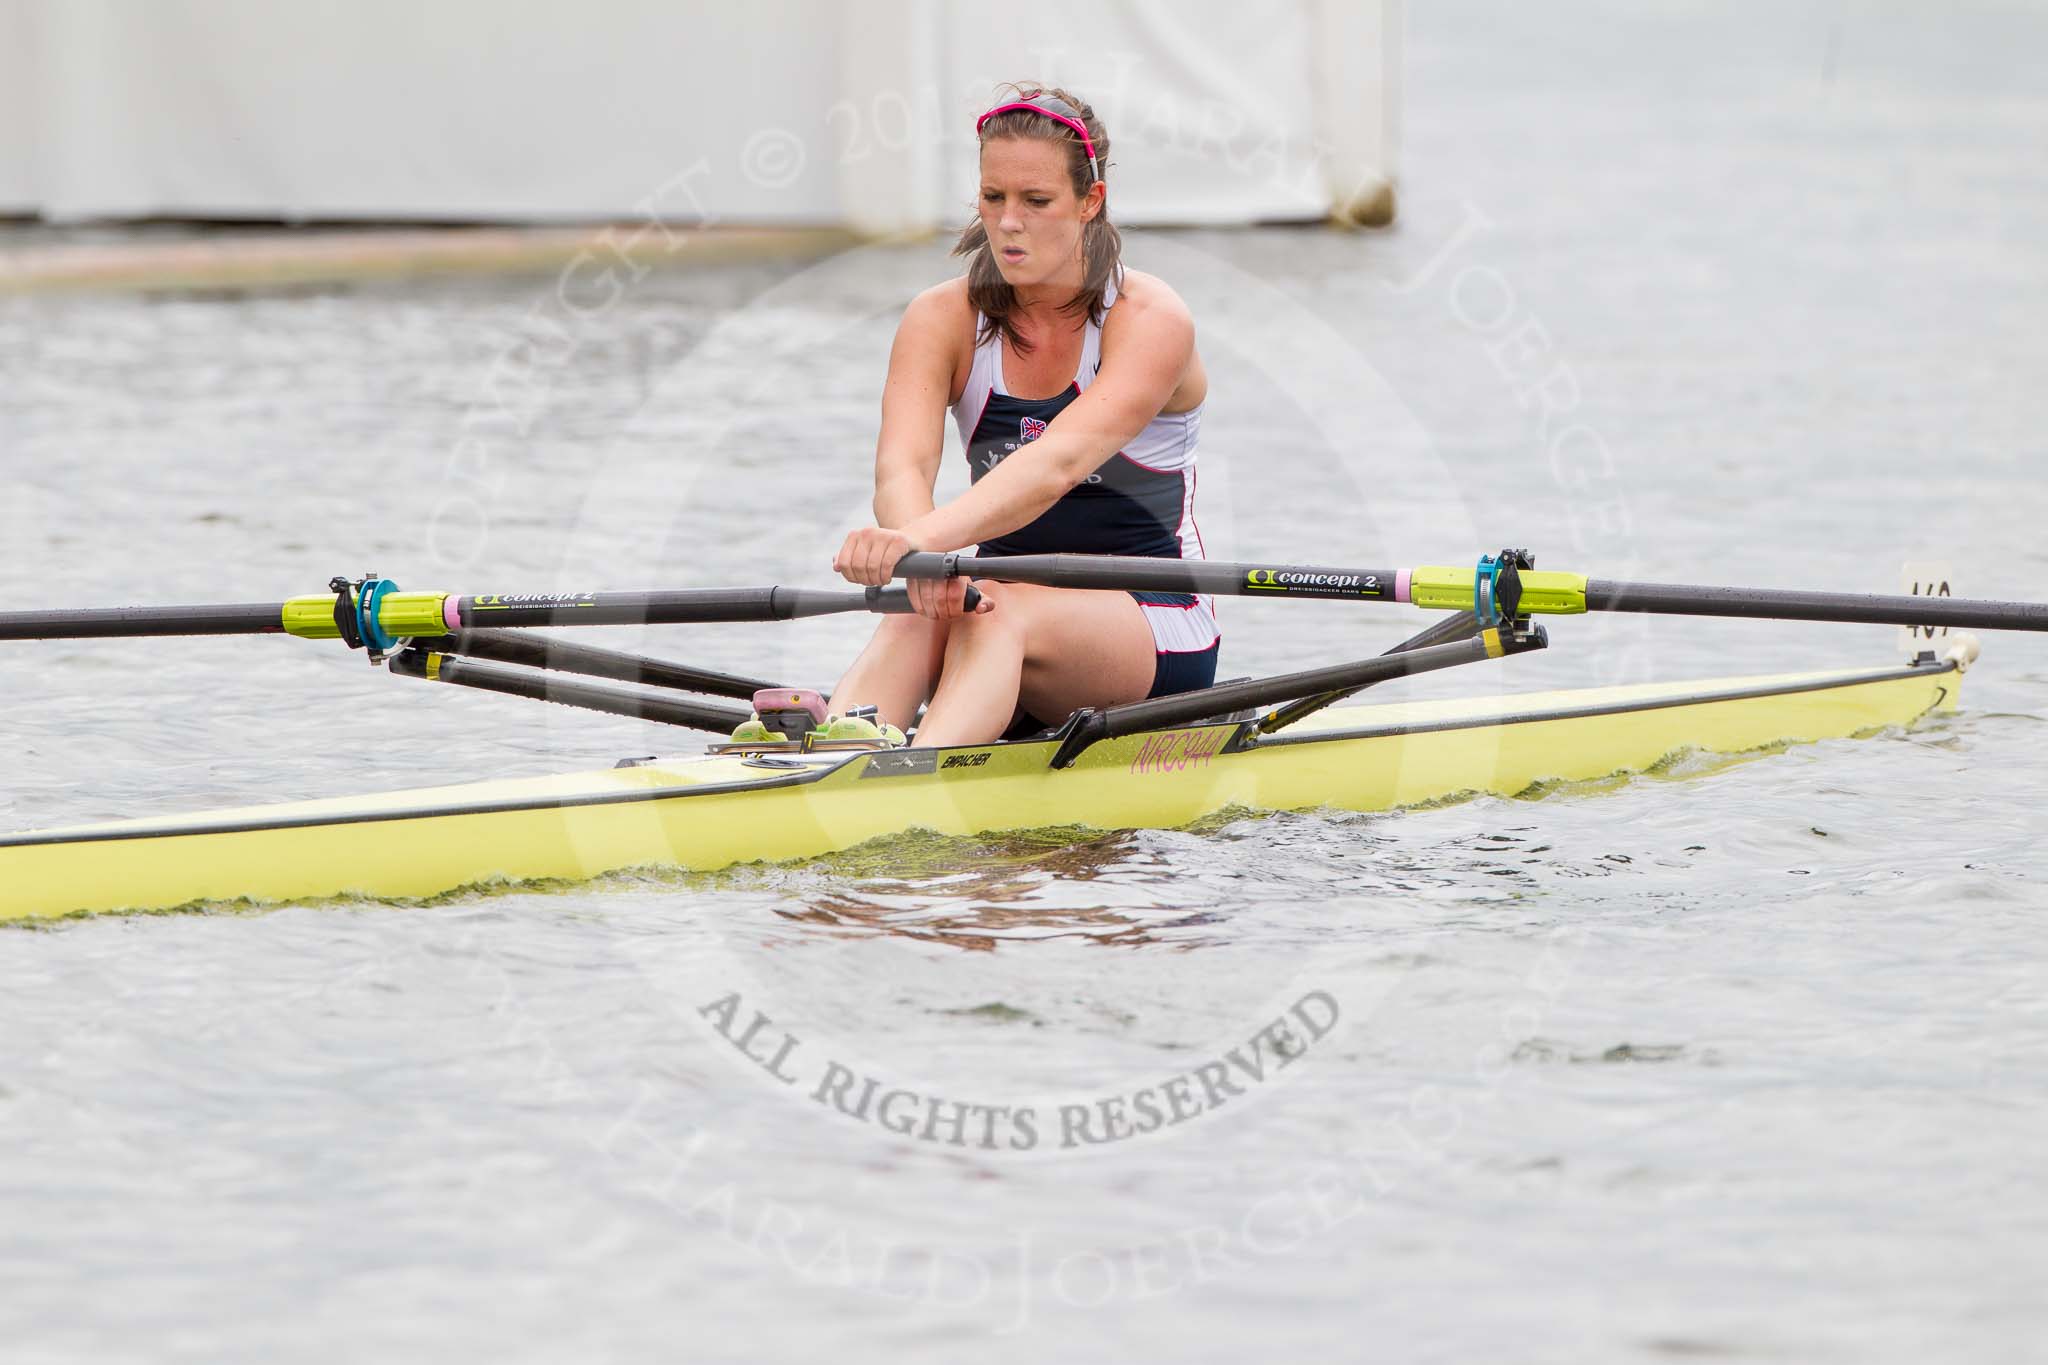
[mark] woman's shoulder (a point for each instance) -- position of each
(936, 336)
(1150, 333)
(944, 307)
(1139, 294)
(1147, 308)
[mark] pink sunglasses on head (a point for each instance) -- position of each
(1059, 111)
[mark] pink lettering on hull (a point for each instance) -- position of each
(1176, 751)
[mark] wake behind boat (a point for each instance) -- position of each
(1277, 743)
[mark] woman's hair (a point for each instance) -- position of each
(1101, 244)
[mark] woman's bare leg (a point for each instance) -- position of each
(897, 671)
(1048, 649)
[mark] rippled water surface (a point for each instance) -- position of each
(1741, 1058)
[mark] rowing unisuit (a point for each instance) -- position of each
(1139, 502)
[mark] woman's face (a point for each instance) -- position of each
(1029, 209)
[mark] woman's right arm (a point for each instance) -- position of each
(914, 400)
(922, 364)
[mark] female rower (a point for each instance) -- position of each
(1078, 394)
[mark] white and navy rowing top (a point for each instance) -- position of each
(1141, 501)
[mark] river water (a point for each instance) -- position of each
(1740, 1059)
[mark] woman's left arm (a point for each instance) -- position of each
(1148, 344)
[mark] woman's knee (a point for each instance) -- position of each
(1010, 616)
(1017, 606)
(909, 630)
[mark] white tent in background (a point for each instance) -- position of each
(773, 112)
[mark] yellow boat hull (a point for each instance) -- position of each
(708, 811)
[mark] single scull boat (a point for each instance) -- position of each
(1277, 743)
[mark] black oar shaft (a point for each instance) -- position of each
(1131, 573)
(671, 607)
(562, 656)
(1449, 630)
(1678, 599)
(1189, 708)
(105, 623)
(420, 662)
(430, 615)
(1150, 715)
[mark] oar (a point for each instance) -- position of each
(1090, 726)
(435, 666)
(561, 656)
(430, 615)
(1454, 589)
(1446, 630)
